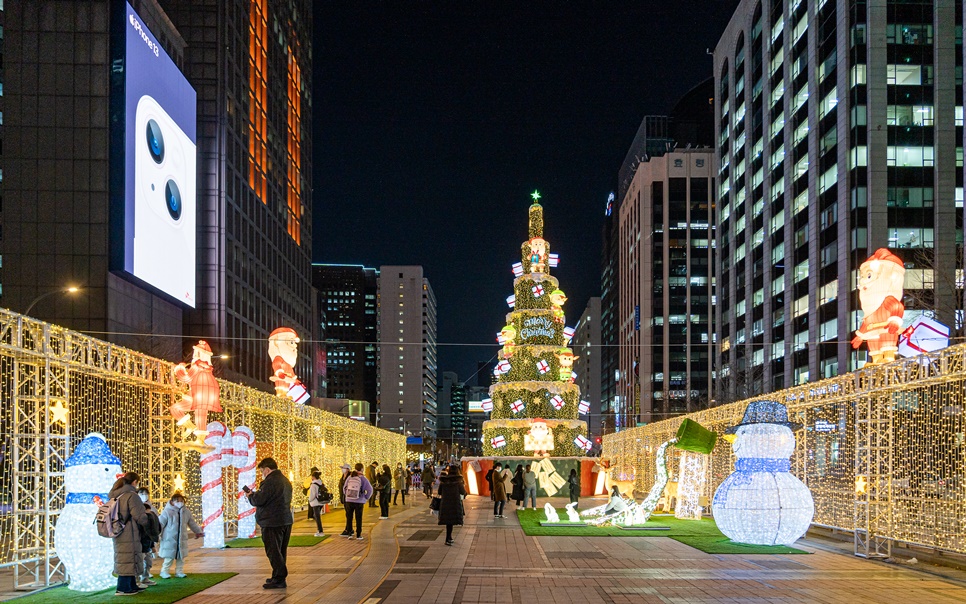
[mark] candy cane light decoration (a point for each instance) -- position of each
(243, 443)
(212, 502)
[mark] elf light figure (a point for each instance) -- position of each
(203, 394)
(509, 336)
(283, 348)
(558, 299)
(566, 358)
(89, 474)
(880, 295)
(761, 502)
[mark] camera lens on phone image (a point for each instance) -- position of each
(155, 141)
(172, 198)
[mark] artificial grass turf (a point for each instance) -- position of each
(165, 592)
(700, 534)
(293, 541)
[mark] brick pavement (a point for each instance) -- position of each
(404, 560)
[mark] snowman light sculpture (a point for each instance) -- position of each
(90, 473)
(762, 503)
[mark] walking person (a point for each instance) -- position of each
(127, 545)
(175, 521)
(451, 494)
(574, 483)
(427, 477)
(529, 487)
(317, 495)
(399, 483)
(150, 536)
(499, 490)
(356, 492)
(384, 490)
(371, 473)
(273, 512)
(517, 482)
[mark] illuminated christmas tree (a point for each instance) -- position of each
(535, 405)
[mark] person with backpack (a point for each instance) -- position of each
(273, 512)
(149, 537)
(318, 497)
(176, 519)
(384, 488)
(451, 494)
(124, 520)
(306, 485)
(399, 482)
(356, 492)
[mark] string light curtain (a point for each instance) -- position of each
(882, 451)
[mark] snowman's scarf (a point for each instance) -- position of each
(762, 464)
(86, 497)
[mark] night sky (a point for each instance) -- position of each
(435, 121)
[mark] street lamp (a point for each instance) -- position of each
(68, 290)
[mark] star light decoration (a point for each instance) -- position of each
(535, 195)
(860, 485)
(179, 483)
(58, 413)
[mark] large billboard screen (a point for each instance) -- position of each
(155, 190)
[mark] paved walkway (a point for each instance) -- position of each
(404, 560)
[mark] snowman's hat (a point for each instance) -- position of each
(93, 450)
(765, 412)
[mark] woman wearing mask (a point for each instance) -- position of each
(399, 483)
(499, 490)
(384, 490)
(127, 545)
(451, 494)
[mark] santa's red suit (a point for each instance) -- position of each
(284, 376)
(880, 329)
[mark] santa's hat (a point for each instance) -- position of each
(284, 333)
(884, 254)
(202, 346)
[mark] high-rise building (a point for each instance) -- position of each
(348, 357)
(839, 131)
(472, 442)
(666, 292)
(451, 409)
(407, 339)
(587, 362)
(66, 71)
(250, 62)
(609, 298)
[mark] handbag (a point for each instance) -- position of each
(434, 504)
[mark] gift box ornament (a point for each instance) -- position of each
(511, 300)
(543, 367)
(583, 407)
(583, 443)
(517, 406)
(487, 405)
(537, 290)
(557, 402)
(502, 367)
(518, 269)
(553, 260)
(922, 336)
(497, 442)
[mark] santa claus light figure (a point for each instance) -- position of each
(203, 394)
(283, 348)
(880, 295)
(539, 439)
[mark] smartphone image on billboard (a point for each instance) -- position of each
(164, 202)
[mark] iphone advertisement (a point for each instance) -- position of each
(159, 189)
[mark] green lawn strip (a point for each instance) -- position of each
(294, 541)
(530, 522)
(165, 592)
(723, 545)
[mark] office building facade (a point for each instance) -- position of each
(347, 357)
(587, 365)
(839, 130)
(407, 355)
(609, 298)
(451, 409)
(250, 62)
(666, 287)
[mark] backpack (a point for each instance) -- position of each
(108, 523)
(323, 496)
(353, 487)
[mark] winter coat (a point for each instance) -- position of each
(342, 484)
(127, 545)
(314, 487)
(574, 483)
(517, 482)
(399, 479)
(499, 486)
(427, 477)
(489, 481)
(371, 472)
(529, 480)
(174, 534)
(451, 493)
(273, 501)
(151, 532)
(383, 483)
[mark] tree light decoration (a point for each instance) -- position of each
(90, 473)
(761, 502)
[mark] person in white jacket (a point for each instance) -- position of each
(316, 506)
(176, 519)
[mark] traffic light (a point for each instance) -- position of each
(598, 440)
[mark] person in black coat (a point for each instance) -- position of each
(273, 512)
(451, 493)
(517, 481)
(573, 482)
